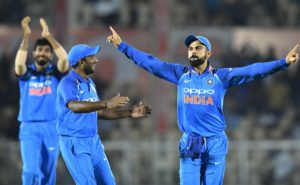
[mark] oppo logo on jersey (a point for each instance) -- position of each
(195, 98)
(40, 88)
(198, 91)
(39, 84)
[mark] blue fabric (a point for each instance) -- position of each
(191, 146)
(201, 96)
(200, 100)
(38, 137)
(81, 51)
(86, 160)
(39, 149)
(74, 87)
(191, 38)
(38, 94)
(210, 168)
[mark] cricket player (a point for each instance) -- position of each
(79, 109)
(38, 83)
(200, 95)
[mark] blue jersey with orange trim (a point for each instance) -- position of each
(200, 97)
(74, 88)
(38, 94)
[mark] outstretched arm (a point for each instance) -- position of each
(62, 63)
(20, 60)
(157, 67)
(246, 74)
(137, 111)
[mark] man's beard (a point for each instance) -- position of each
(195, 61)
(88, 70)
(42, 62)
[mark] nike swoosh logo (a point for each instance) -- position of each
(187, 81)
(216, 163)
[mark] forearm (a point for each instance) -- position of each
(20, 60)
(86, 107)
(242, 75)
(113, 114)
(61, 54)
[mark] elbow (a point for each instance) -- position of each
(74, 107)
(20, 70)
(76, 111)
(63, 65)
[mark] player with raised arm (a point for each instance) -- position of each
(200, 95)
(38, 83)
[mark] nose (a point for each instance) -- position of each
(95, 60)
(194, 52)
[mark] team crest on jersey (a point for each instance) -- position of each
(210, 81)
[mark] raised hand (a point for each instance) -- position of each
(140, 110)
(45, 28)
(293, 56)
(25, 25)
(117, 101)
(115, 39)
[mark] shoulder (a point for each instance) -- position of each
(67, 82)
(31, 71)
(221, 71)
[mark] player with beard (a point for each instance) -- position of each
(38, 83)
(200, 94)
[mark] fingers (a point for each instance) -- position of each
(118, 95)
(140, 103)
(43, 23)
(122, 100)
(295, 48)
(147, 109)
(26, 19)
(113, 31)
(109, 38)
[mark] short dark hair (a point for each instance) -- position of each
(42, 42)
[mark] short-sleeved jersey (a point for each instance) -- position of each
(38, 94)
(74, 88)
(200, 96)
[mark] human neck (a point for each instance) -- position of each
(81, 73)
(201, 68)
(40, 68)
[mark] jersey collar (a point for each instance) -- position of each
(208, 69)
(78, 77)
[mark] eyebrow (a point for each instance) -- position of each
(199, 46)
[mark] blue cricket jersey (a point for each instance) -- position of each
(38, 94)
(200, 96)
(74, 87)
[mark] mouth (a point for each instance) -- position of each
(42, 58)
(193, 58)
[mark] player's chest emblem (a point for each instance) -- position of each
(210, 81)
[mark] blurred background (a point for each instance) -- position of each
(263, 117)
